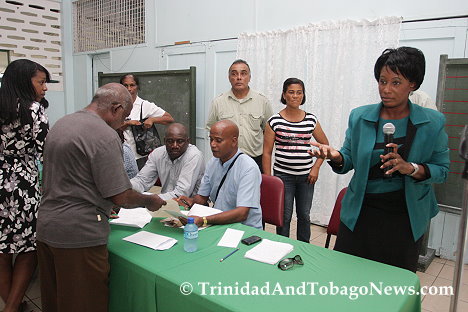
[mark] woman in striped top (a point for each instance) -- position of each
(291, 130)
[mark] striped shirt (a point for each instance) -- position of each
(292, 140)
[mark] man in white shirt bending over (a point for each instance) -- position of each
(179, 165)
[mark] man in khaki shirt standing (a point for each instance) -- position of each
(247, 108)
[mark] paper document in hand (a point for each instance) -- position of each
(231, 238)
(269, 251)
(176, 214)
(161, 213)
(166, 196)
(196, 210)
(151, 240)
(203, 211)
(136, 217)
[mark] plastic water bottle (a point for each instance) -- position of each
(190, 236)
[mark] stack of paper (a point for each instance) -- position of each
(269, 251)
(151, 240)
(136, 217)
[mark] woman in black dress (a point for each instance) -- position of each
(24, 126)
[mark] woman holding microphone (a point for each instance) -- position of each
(390, 200)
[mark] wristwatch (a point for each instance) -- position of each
(416, 169)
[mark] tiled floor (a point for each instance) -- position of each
(32, 298)
(439, 273)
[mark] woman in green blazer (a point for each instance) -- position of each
(382, 218)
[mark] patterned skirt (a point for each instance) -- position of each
(19, 200)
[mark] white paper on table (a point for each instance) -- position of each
(231, 238)
(269, 251)
(151, 240)
(136, 217)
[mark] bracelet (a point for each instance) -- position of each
(416, 169)
(205, 221)
(340, 164)
(336, 165)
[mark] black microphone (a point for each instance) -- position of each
(388, 130)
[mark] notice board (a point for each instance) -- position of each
(452, 101)
(172, 90)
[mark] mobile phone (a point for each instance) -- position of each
(251, 240)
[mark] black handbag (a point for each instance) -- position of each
(146, 140)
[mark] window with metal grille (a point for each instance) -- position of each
(102, 24)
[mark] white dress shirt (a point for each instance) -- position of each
(179, 177)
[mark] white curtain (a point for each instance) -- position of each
(335, 59)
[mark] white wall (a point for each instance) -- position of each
(214, 19)
(56, 108)
(435, 38)
(203, 20)
(281, 14)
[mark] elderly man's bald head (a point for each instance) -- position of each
(224, 139)
(110, 94)
(113, 103)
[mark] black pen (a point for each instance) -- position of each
(222, 259)
(184, 202)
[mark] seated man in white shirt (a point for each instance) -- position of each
(179, 166)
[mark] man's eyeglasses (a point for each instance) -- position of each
(288, 263)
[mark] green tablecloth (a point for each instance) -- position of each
(144, 280)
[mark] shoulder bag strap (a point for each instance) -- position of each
(224, 178)
(141, 110)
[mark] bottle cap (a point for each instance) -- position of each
(190, 220)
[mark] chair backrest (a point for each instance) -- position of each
(272, 200)
(334, 223)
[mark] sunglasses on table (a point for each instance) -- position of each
(288, 263)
